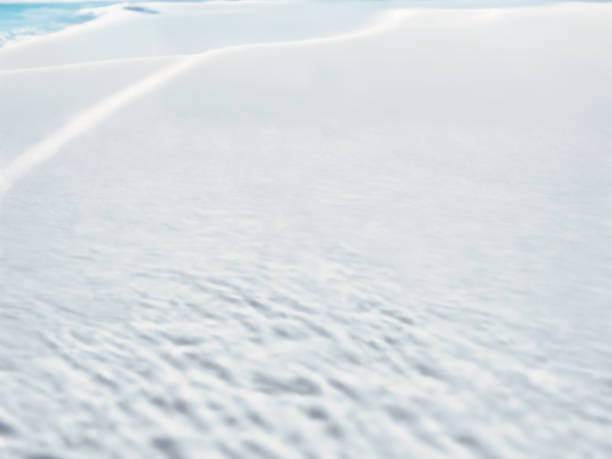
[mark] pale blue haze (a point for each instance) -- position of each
(23, 19)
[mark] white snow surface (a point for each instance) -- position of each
(308, 230)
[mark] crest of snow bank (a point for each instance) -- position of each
(50, 146)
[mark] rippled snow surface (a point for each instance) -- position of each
(390, 247)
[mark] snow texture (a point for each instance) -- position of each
(308, 230)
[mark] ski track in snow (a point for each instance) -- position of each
(171, 291)
(51, 145)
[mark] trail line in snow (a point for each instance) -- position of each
(101, 62)
(51, 145)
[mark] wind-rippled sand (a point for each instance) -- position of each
(393, 244)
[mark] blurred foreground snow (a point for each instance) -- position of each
(392, 246)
